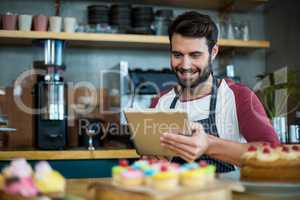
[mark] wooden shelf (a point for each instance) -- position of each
(111, 40)
(69, 154)
(236, 5)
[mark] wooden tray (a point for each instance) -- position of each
(219, 190)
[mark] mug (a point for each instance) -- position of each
(70, 24)
(25, 22)
(9, 21)
(55, 24)
(40, 23)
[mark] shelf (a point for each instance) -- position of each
(5, 130)
(236, 5)
(111, 40)
(69, 154)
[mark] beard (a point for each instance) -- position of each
(203, 75)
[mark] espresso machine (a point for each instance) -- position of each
(50, 91)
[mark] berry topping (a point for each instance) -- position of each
(164, 168)
(252, 148)
(266, 150)
(285, 149)
(123, 163)
(151, 161)
(296, 148)
(131, 169)
(265, 144)
(203, 163)
(273, 146)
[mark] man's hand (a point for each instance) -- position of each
(188, 148)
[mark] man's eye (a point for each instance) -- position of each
(177, 55)
(195, 56)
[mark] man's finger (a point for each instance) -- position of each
(186, 156)
(183, 147)
(187, 140)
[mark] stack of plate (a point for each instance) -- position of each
(98, 14)
(120, 16)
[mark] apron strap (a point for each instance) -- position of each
(210, 127)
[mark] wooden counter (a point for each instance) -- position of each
(79, 187)
(69, 154)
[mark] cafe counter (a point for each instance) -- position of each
(79, 187)
(74, 163)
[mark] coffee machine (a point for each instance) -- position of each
(50, 91)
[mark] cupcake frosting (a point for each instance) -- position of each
(48, 180)
(132, 174)
(19, 168)
(23, 187)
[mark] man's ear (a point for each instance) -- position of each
(214, 52)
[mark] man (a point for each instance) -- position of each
(225, 115)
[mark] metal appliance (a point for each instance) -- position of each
(51, 120)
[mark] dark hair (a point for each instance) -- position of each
(194, 24)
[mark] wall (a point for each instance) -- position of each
(283, 30)
(82, 63)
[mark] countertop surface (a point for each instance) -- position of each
(79, 187)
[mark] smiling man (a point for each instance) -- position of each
(226, 117)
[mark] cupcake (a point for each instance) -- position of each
(117, 170)
(17, 181)
(165, 179)
(131, 178)
(140, 164)
(193, 178)
(148, 175)
(209, 171)
(48, 181)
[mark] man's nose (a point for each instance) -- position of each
(186, 62)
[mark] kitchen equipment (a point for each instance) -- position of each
(90, 133)
(51, 121)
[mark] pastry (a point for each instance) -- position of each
(48, 181)
(271, 163)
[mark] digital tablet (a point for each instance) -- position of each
(147, 125)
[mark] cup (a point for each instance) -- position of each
(294, 134)
(55, 24)
(9, 21)
(25, 22)
(70, 24)
(279, 124)
(40, 23)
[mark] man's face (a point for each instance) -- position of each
(190, 60)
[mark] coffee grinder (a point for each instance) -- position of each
(51, 120)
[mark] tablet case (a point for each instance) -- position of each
(147, 125)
